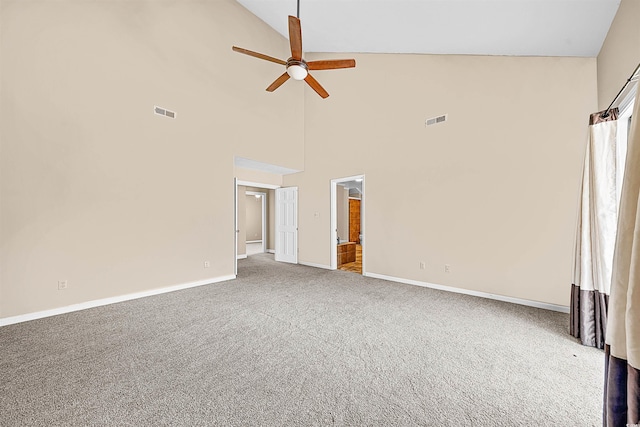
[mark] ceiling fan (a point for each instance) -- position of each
(297, 67)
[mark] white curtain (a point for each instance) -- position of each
(622, 366)
(596, 233)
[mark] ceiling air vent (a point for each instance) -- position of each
(436, 120)
(164, 112)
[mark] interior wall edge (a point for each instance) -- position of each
(111, 300)
(520, 301)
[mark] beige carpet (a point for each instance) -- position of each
(287, 345)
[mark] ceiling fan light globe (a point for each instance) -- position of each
(297, 72)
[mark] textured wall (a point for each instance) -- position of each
(97, 190)
(342, 208)
(492, 192)
(253, 209)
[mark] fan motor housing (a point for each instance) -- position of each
(297, 68)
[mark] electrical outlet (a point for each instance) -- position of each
(62, 284)
(207, 264)
(422, 265)
(447, 268)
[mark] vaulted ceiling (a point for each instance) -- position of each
(469, 27)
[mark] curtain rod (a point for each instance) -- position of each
(629, 80)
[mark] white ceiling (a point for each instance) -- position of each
(473, 27)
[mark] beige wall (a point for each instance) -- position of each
(253, 211)
(492, 192)
(342, 209)
(620, 52)
(97, 190)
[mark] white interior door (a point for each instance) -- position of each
(287, 224)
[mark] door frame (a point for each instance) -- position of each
(236, 183)
(263, 216)
(334, 220)
(235, 226)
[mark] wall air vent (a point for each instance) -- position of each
(436, 120)
(164, 112)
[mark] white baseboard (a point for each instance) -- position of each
(112, 300)
(311, 264)
(271, 251)
(530, 303)
(243, 256)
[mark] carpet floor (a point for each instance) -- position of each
(288, 345)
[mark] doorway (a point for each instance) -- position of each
(272, 237)
(347, 224)
(266, 217)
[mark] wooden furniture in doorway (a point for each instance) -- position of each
(346, 253)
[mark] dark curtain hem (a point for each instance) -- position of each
(621, 392)
(574, 312)
(588, 316)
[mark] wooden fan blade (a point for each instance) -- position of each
(295, 38)
(316, 86)
(259, 55)
(279, 81)
(331, 64)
